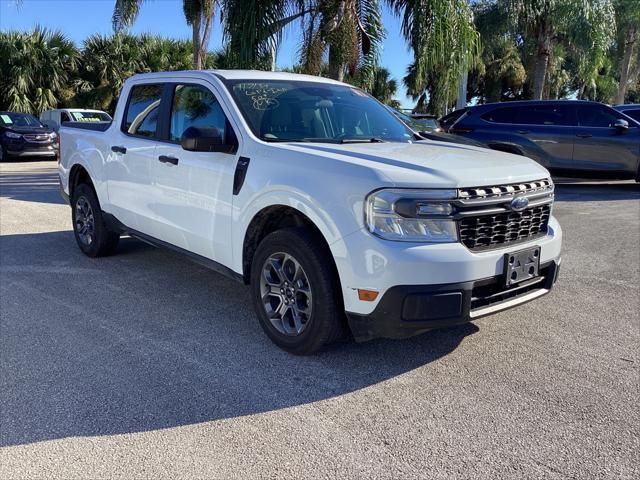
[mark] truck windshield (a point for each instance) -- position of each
(286, 111)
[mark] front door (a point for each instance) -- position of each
(193, 190)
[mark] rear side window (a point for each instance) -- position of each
(143, 108)
(595, 116)
(531, 115)
(635, 114)
(195, 106)
(452, 118)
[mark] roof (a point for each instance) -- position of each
(241, 75)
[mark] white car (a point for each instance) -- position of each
(54, 118)
(313, 193)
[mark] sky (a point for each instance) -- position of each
(80, 18)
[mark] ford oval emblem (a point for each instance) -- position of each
(519, 203)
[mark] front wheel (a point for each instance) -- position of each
(295, 291)
(92, 234)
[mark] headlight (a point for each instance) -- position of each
(411, 215)
(12, 135)
(53, 135)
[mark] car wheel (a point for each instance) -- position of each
(4, 156)
(92, 234)
(295, 291)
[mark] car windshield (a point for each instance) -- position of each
(83, 116)
(285, 111)
(8, 119)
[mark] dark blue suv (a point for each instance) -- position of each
(573, 138)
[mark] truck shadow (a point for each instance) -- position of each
(146, 340)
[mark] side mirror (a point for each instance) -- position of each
(201, 139)
(621, 125)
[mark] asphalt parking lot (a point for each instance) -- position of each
(146, 365)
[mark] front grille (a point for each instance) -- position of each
(37, 138)
(487, 231)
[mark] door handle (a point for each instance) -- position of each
(523, 132)
(119, 149)
(584, 135)
(168, 159)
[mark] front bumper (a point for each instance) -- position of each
(32, 151)
(408, 310)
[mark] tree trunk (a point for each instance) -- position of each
(204, 43)
(581, 90)
(336, 67)
(630, 39)
(195, 39)
(542, 62)
(462, 90)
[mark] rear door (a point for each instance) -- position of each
(542, 132)
(600, 147)
(192, 191)
(132, 155)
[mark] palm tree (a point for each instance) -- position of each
(628, 23)
(544, 21)
(445, 44)
(253, 29)
(198, 13)
(35, 69)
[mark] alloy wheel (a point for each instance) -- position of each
(286, 294)
(85, 223)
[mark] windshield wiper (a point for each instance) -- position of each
(362, 140)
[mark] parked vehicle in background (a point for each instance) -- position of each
(631, 110)
(22, 135)
(314, 194)
(425, 130)
(428, 121)
(54, 118)
(572, 138)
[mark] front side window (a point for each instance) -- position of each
(142, 110)
(195, 106)
(281, 110)
(502, 115)
(595, 116)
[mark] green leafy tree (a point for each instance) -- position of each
(198, 14)
(627, 14)
(545, 22)
(36, 69)
(500, 74)
(445, 44)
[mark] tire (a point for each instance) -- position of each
(92, 234)
(4, 156)
(322, 323)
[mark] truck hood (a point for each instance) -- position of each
(430, 163)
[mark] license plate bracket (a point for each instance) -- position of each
(521, 265)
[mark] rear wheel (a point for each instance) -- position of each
(92, 234)
(295, 292)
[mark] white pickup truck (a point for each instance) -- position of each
(339, 217)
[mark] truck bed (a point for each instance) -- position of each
(95, 126)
